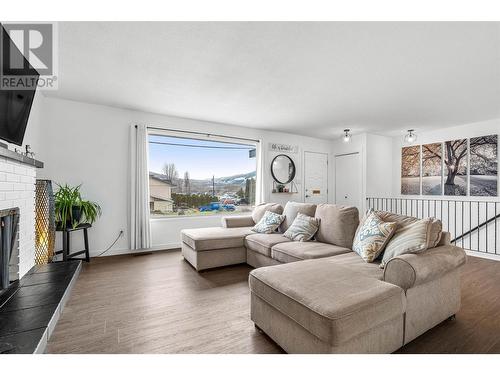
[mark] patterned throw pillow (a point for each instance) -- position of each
(269, 223)
(412, 238)
(302, 229)
(372, 236)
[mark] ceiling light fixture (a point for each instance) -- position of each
(411, 136)
(346, 137)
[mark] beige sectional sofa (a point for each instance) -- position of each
(320, 296)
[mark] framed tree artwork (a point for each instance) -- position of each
(484, 166)
(410, 170)
(432, 170)
(455, 161)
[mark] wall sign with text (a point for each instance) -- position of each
(280, 147)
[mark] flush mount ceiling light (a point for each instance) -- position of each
(411, 136)
(346, 137)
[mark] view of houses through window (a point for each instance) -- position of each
(200, 177)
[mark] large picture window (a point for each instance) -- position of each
(192, 177)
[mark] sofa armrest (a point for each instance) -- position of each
(409, 270)
(237, 221)
(445, 239)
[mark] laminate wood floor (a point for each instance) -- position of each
(157, 303)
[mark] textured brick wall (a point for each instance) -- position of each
(17, 189)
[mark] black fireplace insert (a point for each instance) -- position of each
(9, 248)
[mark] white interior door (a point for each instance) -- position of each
(315, 177)
(348, 180)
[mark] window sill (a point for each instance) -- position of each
(202, 217)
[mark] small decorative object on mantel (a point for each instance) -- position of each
(45, 226)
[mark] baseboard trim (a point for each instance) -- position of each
(169, 246)
(139, 251)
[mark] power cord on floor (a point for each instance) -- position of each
(110, 246)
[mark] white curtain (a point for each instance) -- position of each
(259, 181)
(140, 228)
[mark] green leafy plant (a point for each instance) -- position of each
(71, 209)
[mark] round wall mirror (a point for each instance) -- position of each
(283, 169)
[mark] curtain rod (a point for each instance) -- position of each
(200, 133)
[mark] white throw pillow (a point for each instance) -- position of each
(303, 228)
(269, 223)
(412, 238)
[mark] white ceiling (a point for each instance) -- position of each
(302, 77)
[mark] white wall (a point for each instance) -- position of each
(379, 164)
(376, 163)
(89, 144)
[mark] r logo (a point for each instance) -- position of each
(34, 41)
(28, 50)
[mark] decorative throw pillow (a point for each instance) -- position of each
(269, 223)
(412, 238)
(372, 236)
(403, 221)
(303, 228)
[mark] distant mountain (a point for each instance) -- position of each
(222, 184)
(237, 179)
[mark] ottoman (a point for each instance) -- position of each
(206, 248)
(316, 306)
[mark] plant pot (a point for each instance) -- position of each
(77, 214)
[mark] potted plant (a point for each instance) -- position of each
(71, 209)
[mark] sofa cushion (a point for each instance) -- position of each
(261, 209)
(293, 251)
(372, 236)
(327, 299)
(413, 238)
(292, 209)
(337, 224)
(357, 265)
(201, 239)
(263, 242)
(303, 228)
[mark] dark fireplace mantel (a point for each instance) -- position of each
(20, 158)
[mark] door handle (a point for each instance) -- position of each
(307, 196)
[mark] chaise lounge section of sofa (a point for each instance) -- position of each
(320, 296)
